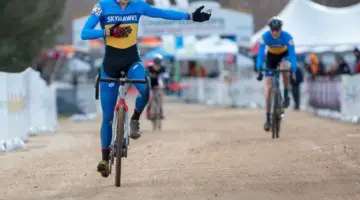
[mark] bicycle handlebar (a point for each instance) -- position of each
(275, 70)
(117, 80)
(122, 80)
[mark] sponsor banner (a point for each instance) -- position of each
(325, 93)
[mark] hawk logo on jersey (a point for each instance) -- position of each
(97, 10)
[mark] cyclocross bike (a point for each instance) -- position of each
(276, 102)
(155, 110)
(120, 134)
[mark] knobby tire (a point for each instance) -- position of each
(119, 143)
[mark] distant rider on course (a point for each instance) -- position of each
(280, 52)
(157, 73)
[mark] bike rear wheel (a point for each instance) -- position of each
(119, 143)
(156, 113)
(158, 116)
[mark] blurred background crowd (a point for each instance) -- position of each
(53, 48)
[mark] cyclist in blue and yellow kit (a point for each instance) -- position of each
(119, 21)
(281, 52)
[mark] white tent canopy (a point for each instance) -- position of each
(212, 47)
(214, 44)
(313, 25)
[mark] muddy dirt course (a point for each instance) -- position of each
(202, 153)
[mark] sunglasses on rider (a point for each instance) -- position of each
(275, 29)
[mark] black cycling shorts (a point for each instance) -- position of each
(273, 60)
(117, 60)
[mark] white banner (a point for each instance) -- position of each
(350, 95)
(27, 105)
(212, 91)
(15, 114)
(4, 130)
(190, 93)
(36, 104)
(249, 93)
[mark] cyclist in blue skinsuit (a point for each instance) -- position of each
(119, 26)
(281, 52)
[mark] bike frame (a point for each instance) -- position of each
(276, 80)
(276, 85)
(121, 102)
(156, 95)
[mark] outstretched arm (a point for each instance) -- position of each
(151, 11)
(88, 32)
(260, 55)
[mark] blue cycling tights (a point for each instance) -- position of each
(108, 97)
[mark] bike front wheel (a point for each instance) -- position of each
(120, 122)
(275, 119)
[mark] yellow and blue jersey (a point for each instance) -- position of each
(109, 13)
(279, 46)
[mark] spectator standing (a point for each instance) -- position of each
(315, 67)
(356, 53)
(296, 79)
(340, 67)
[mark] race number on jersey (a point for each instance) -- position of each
(97, 10)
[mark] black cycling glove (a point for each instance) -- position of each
(199, 16)
(120, 32)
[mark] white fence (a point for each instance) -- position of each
(27, 107)
(245, 92)
(248, 92)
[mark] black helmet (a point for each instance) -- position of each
(275, 23)
(158, 59)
